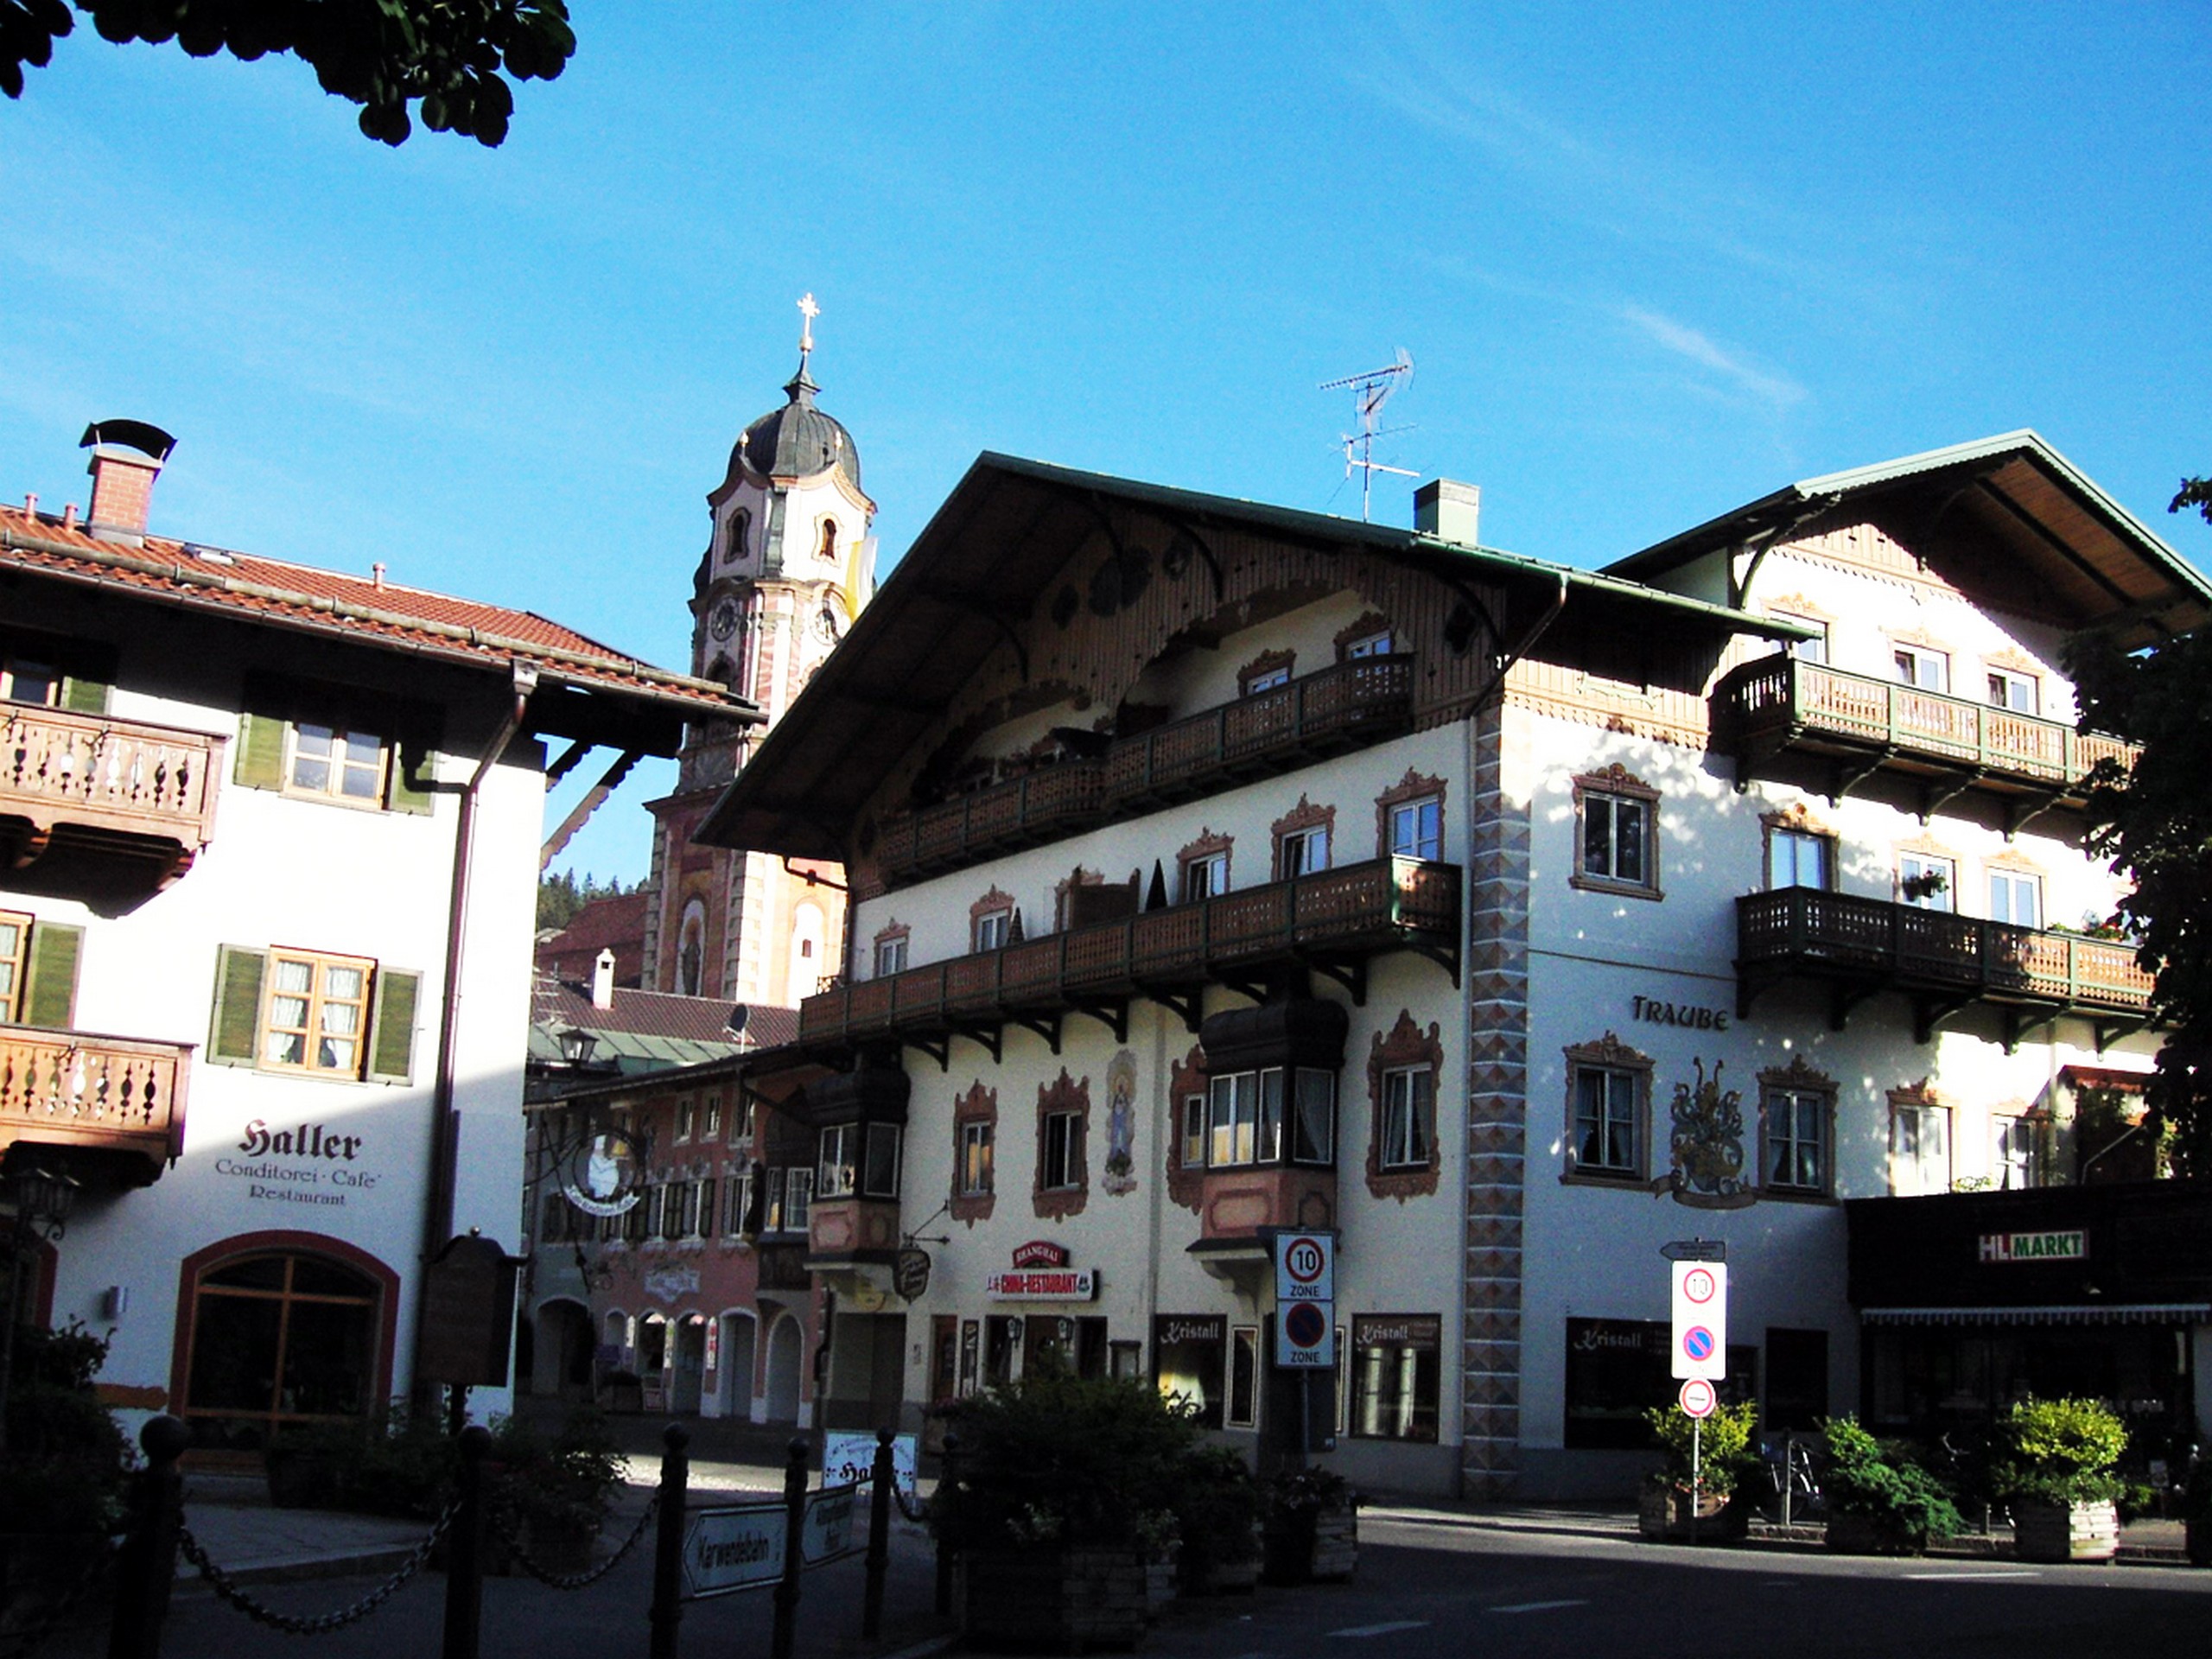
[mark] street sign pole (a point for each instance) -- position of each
(1697, 1473)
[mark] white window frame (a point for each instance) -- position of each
(1920, 1149)
(990, 930)
(2006, 890)
(2015, 1152)
(1267, 679)
(882, 1153)
(1921, 667)
(2014, 692)
(1406, 1121)
(1618, 1080)
(1784, 872)
(1368, 645)
(1786, 1114)
(1417, 827)
(1204, 875)
(1302, 852)
(1620, 830)
(838, 1161)
(891, 956)
(1912, 866)
(978, 1158)
(1060, 1166)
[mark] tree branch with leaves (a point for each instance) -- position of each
(449, 57)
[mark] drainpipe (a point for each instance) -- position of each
(445, 1118)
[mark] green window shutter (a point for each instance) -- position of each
(260, 763)
(413, 779)
(392, 1034)
(50, 986)
(84, 696)
(238, 1005)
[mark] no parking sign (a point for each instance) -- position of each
(1701, 1344)
(1306, 1301)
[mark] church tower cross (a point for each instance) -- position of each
(808, 311)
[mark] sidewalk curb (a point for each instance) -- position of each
(296, 1569)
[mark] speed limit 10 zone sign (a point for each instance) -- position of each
(1306, 1301)
(1700, 1345)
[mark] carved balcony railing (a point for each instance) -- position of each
(119, 1098)
(1939, 961)
(1271, 731)
(1331, 921)
(117, 786)
(1338, 708)
(1052, 801)
(1779, 704)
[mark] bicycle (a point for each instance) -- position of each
(1790, 1493)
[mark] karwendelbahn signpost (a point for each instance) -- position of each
(1700, 1346)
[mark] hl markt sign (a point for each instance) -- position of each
(2034, 1247)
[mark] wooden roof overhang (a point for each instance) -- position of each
(2007, 519)
(996, 549)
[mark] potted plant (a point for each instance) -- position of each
(1058, 1493)
(2057, 1474)
(554, 1492)
(2197, 1513)
(1217, 1510)
(1671, 1498)
(1309, 1526)
(1879, 1502)
(62, 1483)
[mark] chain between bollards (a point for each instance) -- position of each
(779, 1643)
(668, 1542)
(147, 1565)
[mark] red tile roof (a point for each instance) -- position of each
(660, 1014)
(288, 595)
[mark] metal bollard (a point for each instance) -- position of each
(147, 1564)
(779, 1643)
(465, 1551)
(947, 1462)
(882, 1495)
(668, 1541)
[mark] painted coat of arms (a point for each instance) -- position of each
(1707, 1144)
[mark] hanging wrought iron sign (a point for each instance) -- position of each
(604, 1174)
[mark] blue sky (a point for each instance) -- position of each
(1651, 263)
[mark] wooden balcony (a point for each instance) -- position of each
(1332, 922)
(104, 786)
(1057, 800)
(1853, 725)
(1940, 962)
(1339, 709)
(113, 1104)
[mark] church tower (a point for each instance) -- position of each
(788, 565)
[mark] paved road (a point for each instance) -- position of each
(1432, 1587)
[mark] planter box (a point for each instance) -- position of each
(1664, 1513)
(1306, 1546)
(1862, 1535)
(2077, 1532)
(1211, 1578)
(1061, 1601)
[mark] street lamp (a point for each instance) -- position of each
(576, 1045)
(42, 1200)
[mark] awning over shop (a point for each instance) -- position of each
(2079, 1313)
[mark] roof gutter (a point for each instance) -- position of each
(476, 640)
(438, 1207)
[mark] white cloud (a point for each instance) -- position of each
(1700, 348)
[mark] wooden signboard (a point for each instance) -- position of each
(469, 1314)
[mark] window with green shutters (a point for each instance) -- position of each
(38, 971)
(303, 1011)
(318, 745)
(54, 672)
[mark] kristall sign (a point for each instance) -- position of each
(2034, 1247)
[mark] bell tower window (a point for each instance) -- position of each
(740, 536)
(830, 541)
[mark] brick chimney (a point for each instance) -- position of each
(127, 456)
(1449, 510)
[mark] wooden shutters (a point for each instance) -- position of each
(391, 1031)
(235, 1030)
(239, 974)
(50, 976)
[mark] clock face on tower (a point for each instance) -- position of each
(721, 621)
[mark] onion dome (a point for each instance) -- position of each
(798, 441)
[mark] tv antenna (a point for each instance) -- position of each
(1370, 391)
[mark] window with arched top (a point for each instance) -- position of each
(740, 536)
(829, 540)
(274, 1340)
(691, 949)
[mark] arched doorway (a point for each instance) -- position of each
(690, 1369)
(652, 1360)
(277, 1331)
(563, 1351)
(734, 1371)
(785, 1361)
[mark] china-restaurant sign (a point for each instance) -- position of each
(1041, 1273)
(2035, 1246)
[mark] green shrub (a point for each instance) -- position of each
(1217, 1506)
(2060, 1451)
(566, 1480)
(68, 1458)
(1878, 1482)
(1724, 1445)
(1053, 1459)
